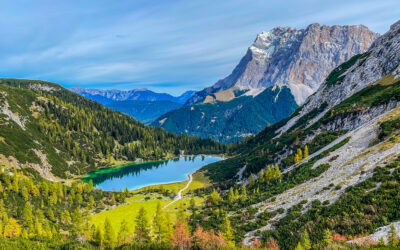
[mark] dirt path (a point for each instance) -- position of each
(179, 195)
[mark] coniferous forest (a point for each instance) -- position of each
(297, 148)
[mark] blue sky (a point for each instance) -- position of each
(168, 46)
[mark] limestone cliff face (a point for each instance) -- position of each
(300, 59)
(382, 59)
(380, 63)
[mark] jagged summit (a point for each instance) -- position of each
(383, 58)
(298, 58)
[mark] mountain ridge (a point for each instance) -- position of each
(266, 60)
(297, 59)
(352, 139)
(142, 94)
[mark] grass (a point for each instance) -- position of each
(149, 201)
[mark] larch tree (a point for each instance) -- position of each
(305, 242)
(393, 238)
(109, 234)
(142, 228)
(181, 238)
(123, 233)
(227, 230)
(158, 223)
(305, 152)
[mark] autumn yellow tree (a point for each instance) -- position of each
(12, 228)
(305, 152)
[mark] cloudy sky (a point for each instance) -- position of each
(168, 46)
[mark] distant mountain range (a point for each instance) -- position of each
(299, 60)
(142, 104)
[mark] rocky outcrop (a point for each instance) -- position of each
(382, 59)
(300, 59)
(381, 63)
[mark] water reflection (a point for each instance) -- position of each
(139, 175)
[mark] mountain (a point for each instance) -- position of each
(62, 134)
(142, 104)
(233, 120)
(107, 96)
(298, 60)
(144, 111)
(335, 161)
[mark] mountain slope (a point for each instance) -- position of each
(233, 120)
(60, 133)
(144, 111)
(300, 59)
(349, 182)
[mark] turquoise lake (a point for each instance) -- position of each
(140, 175)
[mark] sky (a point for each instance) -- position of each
(166, 46)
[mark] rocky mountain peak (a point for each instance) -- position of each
(299, 59)
(381, 60)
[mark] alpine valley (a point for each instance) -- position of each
(299, 148)
(279, 71)
(142, 104)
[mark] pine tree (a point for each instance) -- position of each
(109, 234)
(142, 230)
(393, 238)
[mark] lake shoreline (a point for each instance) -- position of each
(140, 175)
(116, 167)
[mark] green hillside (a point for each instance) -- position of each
(233, 120)
(44, 124)
(144, 111)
